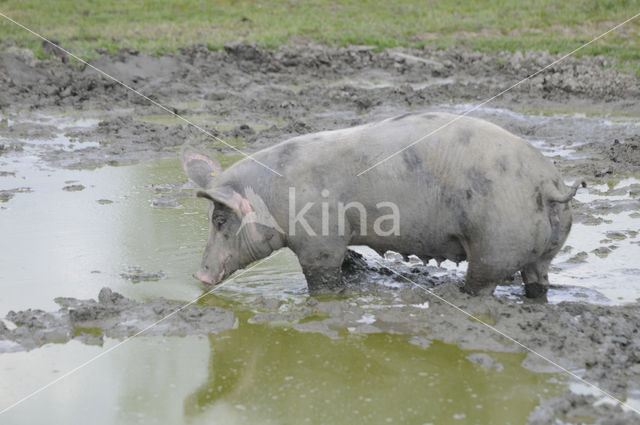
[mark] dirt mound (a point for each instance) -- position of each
(426, 75)
(260, 97)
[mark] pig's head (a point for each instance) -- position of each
(236, 237)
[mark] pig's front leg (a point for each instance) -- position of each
(322, 268)
(323, 279)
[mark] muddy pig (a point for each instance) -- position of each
(470, 191)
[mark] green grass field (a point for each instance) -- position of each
(162, 26)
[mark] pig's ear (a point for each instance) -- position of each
(200, 168)
(229, 197)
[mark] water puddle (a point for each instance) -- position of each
(555, 151)
(261, 374)
(61, 122)
(58, 242)
(604, 254)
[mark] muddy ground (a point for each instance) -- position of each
(255, 98)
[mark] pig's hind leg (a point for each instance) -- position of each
(535, 274)
(536, 279)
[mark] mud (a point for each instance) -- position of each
(6, 195)
(112, 315)
(581, 113)
(258, 97)
(627, 152)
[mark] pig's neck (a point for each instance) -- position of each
(258, 244)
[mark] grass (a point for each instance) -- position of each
(162, 26)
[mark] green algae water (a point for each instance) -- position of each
(259, 374)
(262, 374)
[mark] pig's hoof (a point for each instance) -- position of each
(468, 290)
(535, 290)
(482, 290)
(328, 290)
(323, 280)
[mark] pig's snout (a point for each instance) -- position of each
(205, 277)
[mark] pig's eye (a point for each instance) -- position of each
(219, 221)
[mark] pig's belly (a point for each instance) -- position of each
(424, 246)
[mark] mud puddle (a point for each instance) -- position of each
(606, 248)
(59, 242)
(262, 374)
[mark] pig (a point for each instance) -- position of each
(469, 191)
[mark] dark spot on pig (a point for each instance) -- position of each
(501, 164)
(455, 205)
(399, 117)
(464, 137)
(347, 196)
(539, 201)
(463, 220)
(321, 175)
(364, 159)
(412, 159)
(288, 151)
(521, 166)
(556, 183)
(479, 182)
(469, 194)
(286, 155)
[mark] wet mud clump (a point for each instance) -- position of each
(113, 316)
(6, 195)
(627, 151)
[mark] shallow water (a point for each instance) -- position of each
(261, 374)
(613, 272)
(61, 243)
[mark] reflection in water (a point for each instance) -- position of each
(57, 243)
(261, 374)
